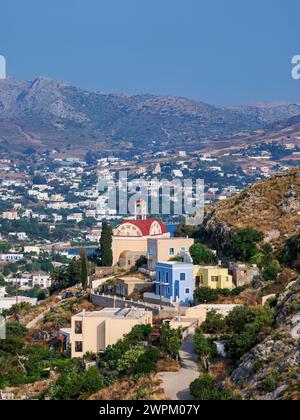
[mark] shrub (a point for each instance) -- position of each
(201, 254)
(247, 323)
(205, 389)
(270, 271)
(73, 384)
(243, 243)
(204, 346)
(207, 295)
(170, 340)
(147, 362)
(214, 323)
(270, 383)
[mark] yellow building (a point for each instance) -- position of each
(95, 331)
(213, 277)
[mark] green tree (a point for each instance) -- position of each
(170, 340)
(4, 248)
(291, 251)
(202, 255)
(106, 245)
(183, 230)
(83, 268)
(204, 346)
(243, 243)
(270, 271)
(205, 295)
(214, 323)
(247, 324)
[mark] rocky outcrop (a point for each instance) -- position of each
(271, 371)
(271, 206)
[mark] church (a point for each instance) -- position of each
(130, 240)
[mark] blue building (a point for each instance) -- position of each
(176, 281)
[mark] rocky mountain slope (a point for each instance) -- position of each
(271, 371)
(271, 206)
(46, 113)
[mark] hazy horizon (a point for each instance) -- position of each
(220, 53)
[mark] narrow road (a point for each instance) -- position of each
(36, 320)
(177, 384)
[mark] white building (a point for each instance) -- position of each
(11, 257)
(76, 217)
(7, 302)
(32, 249)
(42, 280)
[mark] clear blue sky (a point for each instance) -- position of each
(218, 51)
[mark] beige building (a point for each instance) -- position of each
(213, 277)
(10, 215)
(164, 249)
(126, 286)
(195, 316)
(130, 239)
(200, 312)
(95, 331)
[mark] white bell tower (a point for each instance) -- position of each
(140, 212)
(2, 67)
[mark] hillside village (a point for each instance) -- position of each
(154, 313)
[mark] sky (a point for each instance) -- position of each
(223, 52)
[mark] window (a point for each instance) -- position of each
(78, 346)
(182, 276)
(214, 278)
(187, 291)
(183, 249)
(159, 275)
(167, 277)
(78, 327)
(171, 251)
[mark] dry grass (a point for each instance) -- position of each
(261, 206)
(220, 369)
(33, 389)
(130, 389)
(168, 365)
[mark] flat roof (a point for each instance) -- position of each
(177, 264)
(116, 313)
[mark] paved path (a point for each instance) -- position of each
(176, 384)
(36, 320)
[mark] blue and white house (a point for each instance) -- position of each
(175, 282)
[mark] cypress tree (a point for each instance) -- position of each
(106, 245)
(84, 269)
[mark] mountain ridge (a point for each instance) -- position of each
(59, 114)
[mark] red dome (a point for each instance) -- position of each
(145, 226)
